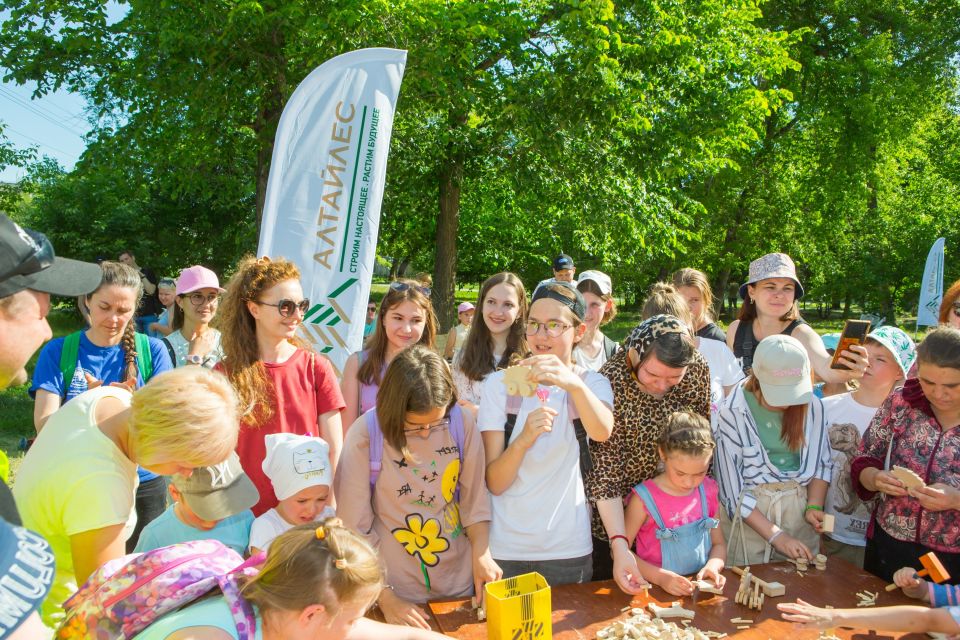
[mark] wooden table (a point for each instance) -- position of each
(580, 610)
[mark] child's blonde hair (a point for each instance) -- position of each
(306, 565)
(186, 415)
(686, 432)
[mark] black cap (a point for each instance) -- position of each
(27, 261)
(562, 261)
(577, 304)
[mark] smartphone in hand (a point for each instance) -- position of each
(854, 332)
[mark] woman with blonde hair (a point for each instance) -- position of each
(317, 582)
(76, 484)
(405, 318)
(108, 352)
(693, 285)
(282, 384)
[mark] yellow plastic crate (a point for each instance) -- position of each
(519, 608)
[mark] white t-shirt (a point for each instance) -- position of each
(847, 420)
(724, 371)
(581, 358)
(271, 524)
(467, 389)
(544, 514)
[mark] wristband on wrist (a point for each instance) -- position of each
(621, 537)
(813, 507)
(774, 536)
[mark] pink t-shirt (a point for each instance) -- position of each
(306, 387)
(675, 511)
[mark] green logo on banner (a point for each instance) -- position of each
(325, 320)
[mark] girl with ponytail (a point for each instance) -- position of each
(109, 352)
(316, 582)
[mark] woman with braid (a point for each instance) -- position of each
(109, 352)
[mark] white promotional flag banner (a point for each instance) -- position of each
(322, 208)
(931, 287)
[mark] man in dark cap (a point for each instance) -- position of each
(29, 274)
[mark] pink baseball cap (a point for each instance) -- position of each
(465, 306)
(197, 277)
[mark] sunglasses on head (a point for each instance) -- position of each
(403, 286)
(41, 258)
(288, 308)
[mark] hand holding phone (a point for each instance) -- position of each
(854, 332)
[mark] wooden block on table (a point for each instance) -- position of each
(707, 586)
(673, 611)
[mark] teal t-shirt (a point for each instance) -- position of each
(208, 612)
(167, 529)
(769, 424)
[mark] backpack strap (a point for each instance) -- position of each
(513, 408)
(586, 462)
(610, 347)
(240, 609)
(170, 352)
(68, 361)
(793, 325)
(744, 344)
(376, 446)
(459, 436)
(144, 357)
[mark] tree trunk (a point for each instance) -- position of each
(847, 302)
(268, 117)
(445, 268)
(720, 292)
(403, 266)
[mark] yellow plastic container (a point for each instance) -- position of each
(519, 608)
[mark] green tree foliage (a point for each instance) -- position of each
(638, 136)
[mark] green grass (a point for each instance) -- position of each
(16, 405)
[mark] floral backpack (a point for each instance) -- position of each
(126, 595)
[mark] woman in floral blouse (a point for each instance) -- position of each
(916, 428)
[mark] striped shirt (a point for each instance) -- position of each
(742, 463)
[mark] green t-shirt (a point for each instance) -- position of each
(769, 424)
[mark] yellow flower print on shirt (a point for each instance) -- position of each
(422, 539)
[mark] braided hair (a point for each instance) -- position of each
(117, 274)
(686, 432)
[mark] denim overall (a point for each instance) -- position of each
(686, 548)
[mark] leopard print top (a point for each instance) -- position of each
(630, 456)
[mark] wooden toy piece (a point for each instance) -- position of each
(932, 567)
(518, 382)
(673, 611)
(908, 477)
(828, 523)
(707, 587)
(770, 589)
(820, 562)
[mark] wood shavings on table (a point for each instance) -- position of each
(867, 598)
(640, 626)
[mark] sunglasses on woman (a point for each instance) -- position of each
(288, 308)
(198, 299)
(403, 286)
